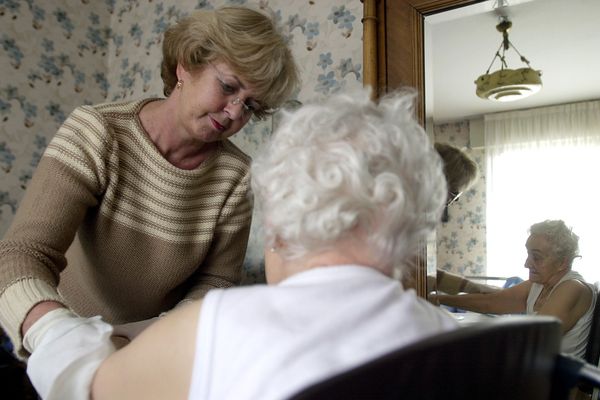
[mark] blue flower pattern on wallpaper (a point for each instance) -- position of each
(6, 157)
(325, 60)
(57, 55)
(13, 51)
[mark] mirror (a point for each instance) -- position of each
(401, 53)
(399, 62)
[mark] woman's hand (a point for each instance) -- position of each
(66, 352)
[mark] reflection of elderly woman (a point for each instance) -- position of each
(139, 205)
(552, 288)
(347, 190)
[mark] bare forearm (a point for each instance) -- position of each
(454, 284)
(504, 301)
(470, 302)
(481, 303)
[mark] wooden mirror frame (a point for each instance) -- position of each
(393, 57)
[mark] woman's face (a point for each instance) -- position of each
(543, 265)
(214, 103)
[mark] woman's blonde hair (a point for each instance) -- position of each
(459, 169)
(247, 40)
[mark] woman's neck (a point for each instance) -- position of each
(158, 119)
(344, 252)
(547, 288)
(553, 281)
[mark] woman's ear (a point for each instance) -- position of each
(181, 72)
(278, 243)
(564, 264)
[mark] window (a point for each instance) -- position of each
(542, 164)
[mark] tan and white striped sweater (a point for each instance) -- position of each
(127, 234)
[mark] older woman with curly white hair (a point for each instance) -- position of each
(346, 188)
(553, 287)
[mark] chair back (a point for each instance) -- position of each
(509, 358)
(592, 352)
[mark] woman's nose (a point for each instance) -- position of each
(235, 109)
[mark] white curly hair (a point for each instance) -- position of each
(349, 166)
(564, 242)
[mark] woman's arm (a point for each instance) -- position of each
(66, 183)
(223, 264)
(568, 302)
(454, 284)
(505, 301)
(155, 365)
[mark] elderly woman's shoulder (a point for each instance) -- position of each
(574, 287)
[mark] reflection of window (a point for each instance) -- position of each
(542, 164)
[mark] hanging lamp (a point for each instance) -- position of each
(508, 84)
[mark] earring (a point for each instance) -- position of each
(272, 249)
(179, 84)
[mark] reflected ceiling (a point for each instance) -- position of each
(559, 37)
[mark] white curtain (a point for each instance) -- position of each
(542, 164)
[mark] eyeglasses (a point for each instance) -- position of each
(452, 197)
(249, 107)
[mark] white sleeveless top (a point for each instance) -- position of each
(269, 342)
(575, 340)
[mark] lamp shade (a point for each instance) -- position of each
(509, 84)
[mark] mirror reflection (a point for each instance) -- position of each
(535, 155)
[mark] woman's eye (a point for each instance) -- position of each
(227, 89)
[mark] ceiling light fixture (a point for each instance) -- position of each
(508, 84)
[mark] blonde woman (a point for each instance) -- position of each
(139, 206)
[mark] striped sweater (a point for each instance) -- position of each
(109, 227)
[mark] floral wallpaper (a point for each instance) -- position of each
(56, 55)
(461, 241)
